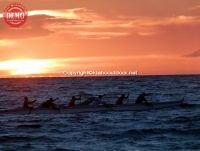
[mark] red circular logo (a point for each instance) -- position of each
(15, 15)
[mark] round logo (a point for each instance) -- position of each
(15, 15)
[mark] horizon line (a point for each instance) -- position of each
(94, 76)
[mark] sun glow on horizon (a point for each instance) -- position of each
(25, 67)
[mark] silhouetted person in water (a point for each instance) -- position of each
(27, 103)
(142, 99)
(49, 104)
(72, 101)
(120, 100)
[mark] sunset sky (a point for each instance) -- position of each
(148, 36)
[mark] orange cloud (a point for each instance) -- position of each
(101, 35)
(194, 54)
(78, 21)
(197, 7)
(28, 66)
(75, 13)
(6, 43)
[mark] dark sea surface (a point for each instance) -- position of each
(166, 129)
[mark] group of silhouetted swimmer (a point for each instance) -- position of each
(91, 101)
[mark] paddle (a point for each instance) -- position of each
(31, 108)
(55, 108)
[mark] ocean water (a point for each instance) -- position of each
(166, 129)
